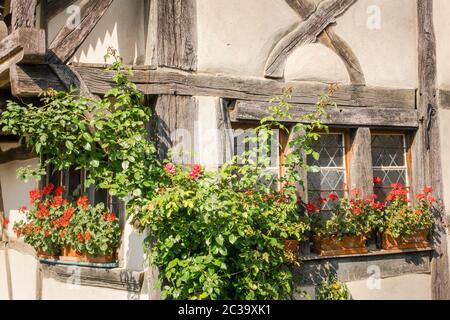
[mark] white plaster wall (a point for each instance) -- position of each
(15, 192)
(441, 24)
(236, 36)
(407, 287)
(315, 62)
(206, 129)
(388, 55)
(122, 27)
(55, 290)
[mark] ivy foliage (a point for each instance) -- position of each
(106, 137)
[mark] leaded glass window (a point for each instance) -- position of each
(389, 162)
(331, 176)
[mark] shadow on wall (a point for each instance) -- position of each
(122, 27)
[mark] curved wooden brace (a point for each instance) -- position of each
(307, 32)
(333, 41)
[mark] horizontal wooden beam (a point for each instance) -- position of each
(56, 6)
(341, 116)
(31, 80)
(17, 154)
(245, 88)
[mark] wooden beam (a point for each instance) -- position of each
(17, 154)
(54, 7)
(306, 32)
(232, 87)
(26, 44)
(23, 14)
(69, 39)
(32, 80)
(333, 41)
(361, 171)
(342, 116)
(177, 34)
(22, 46)
(175, 118)
(429, 145)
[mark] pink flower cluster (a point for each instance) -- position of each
(195, 172)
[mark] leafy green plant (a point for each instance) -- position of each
(402, 219)
(331, 288)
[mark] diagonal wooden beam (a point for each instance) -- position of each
(306, 32)
(23, 14)
(69, 39)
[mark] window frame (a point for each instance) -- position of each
(408, 146)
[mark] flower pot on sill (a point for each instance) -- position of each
(292, 247)
(71, 255)
(46, 255)
(336, 246)
(416, 241)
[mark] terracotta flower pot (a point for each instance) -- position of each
(335, 246)
(292, 246)
(71, 255)
(45, 255)
(416, 241)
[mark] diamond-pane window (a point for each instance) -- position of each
(389, 162)
(331, 177)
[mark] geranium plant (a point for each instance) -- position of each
(349, 217)
(402, 219)
(53, 222)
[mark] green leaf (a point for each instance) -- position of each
(69, 145)
(232, 238)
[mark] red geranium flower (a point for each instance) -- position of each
(312, 208)
(83, 202)
(377, 180)
(333, 197)
(195, 172)
(420, 196)
(80, 237)
(418, 212)
(87, 236)
(34, 195)
(23, 209)
(357, 211)
(377, 206)
(356, 192)
(427, 190)
(57, 202)
(59, 191)
(5, 221)
(48, 189)
(170, 168)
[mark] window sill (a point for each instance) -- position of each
(116, 279)
(371, 253)
(377, 264)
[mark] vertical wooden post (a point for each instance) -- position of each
(429, 144)
(23, 14)
(361, 171)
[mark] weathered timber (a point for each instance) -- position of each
(175, 120)
(443, 97)
(341, 116)
(428, 135)
(69, 39)
(361, 171)
(177, 34)
(23, 14)
(25, 43)
(330, 39)
(32, 80)
(226, 139)
(54, 7)
(16, 154)
(232, 87)
(306, 32)
(116, 279)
